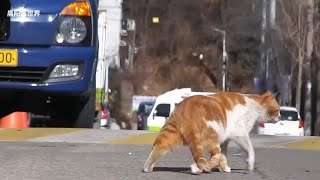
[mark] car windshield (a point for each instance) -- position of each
(148, 108)
(145, 108)
(288, 115)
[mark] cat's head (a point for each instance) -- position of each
(271, 106)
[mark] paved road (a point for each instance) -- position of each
(63, 154)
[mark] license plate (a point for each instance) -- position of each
(8, 57)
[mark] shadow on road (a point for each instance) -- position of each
(173, 169)
(239, 171)
(186, 170)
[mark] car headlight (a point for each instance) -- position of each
(75, 25)
(64, 70)
(72, 30)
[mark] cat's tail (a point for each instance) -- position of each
(168, 138)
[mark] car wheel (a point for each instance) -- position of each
(86, 114)
(76, 112)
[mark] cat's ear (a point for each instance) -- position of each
(275, 94)
(270, 94)
(267, 94)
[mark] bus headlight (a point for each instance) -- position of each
(72, 30)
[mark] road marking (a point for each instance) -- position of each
(119, 137)
(147, 138)
(30, 133)
(306, 144)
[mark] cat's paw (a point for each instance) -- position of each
(148, 169)
(225, 169)
(194, 169)
(250, 167)
(204, 165)
(250, 164)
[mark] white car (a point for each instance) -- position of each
(290, 124)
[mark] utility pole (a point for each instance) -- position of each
(309, 50)
(263, 45)
(268, 25)
(300, 63)
(224, 58)
(316, 123)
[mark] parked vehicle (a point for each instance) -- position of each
(48, 59)
(290, 124)
(165, 104)
(143, 113)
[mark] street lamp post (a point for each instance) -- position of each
(224, 58)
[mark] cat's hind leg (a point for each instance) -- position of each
(215, 152)
(197, 150)
(166, 141)
(223, 158)
(213, 162)
(197, 146)
(201, 163)
(219, 159)
(223, 164)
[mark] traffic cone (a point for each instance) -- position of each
(15, 120)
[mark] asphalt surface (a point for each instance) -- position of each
(110, 154)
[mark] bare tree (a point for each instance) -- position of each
(296, 33)
(292, 30)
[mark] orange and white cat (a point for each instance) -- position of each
(208, 123)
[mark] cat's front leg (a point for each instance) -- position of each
(251, 155)
(245, 143)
